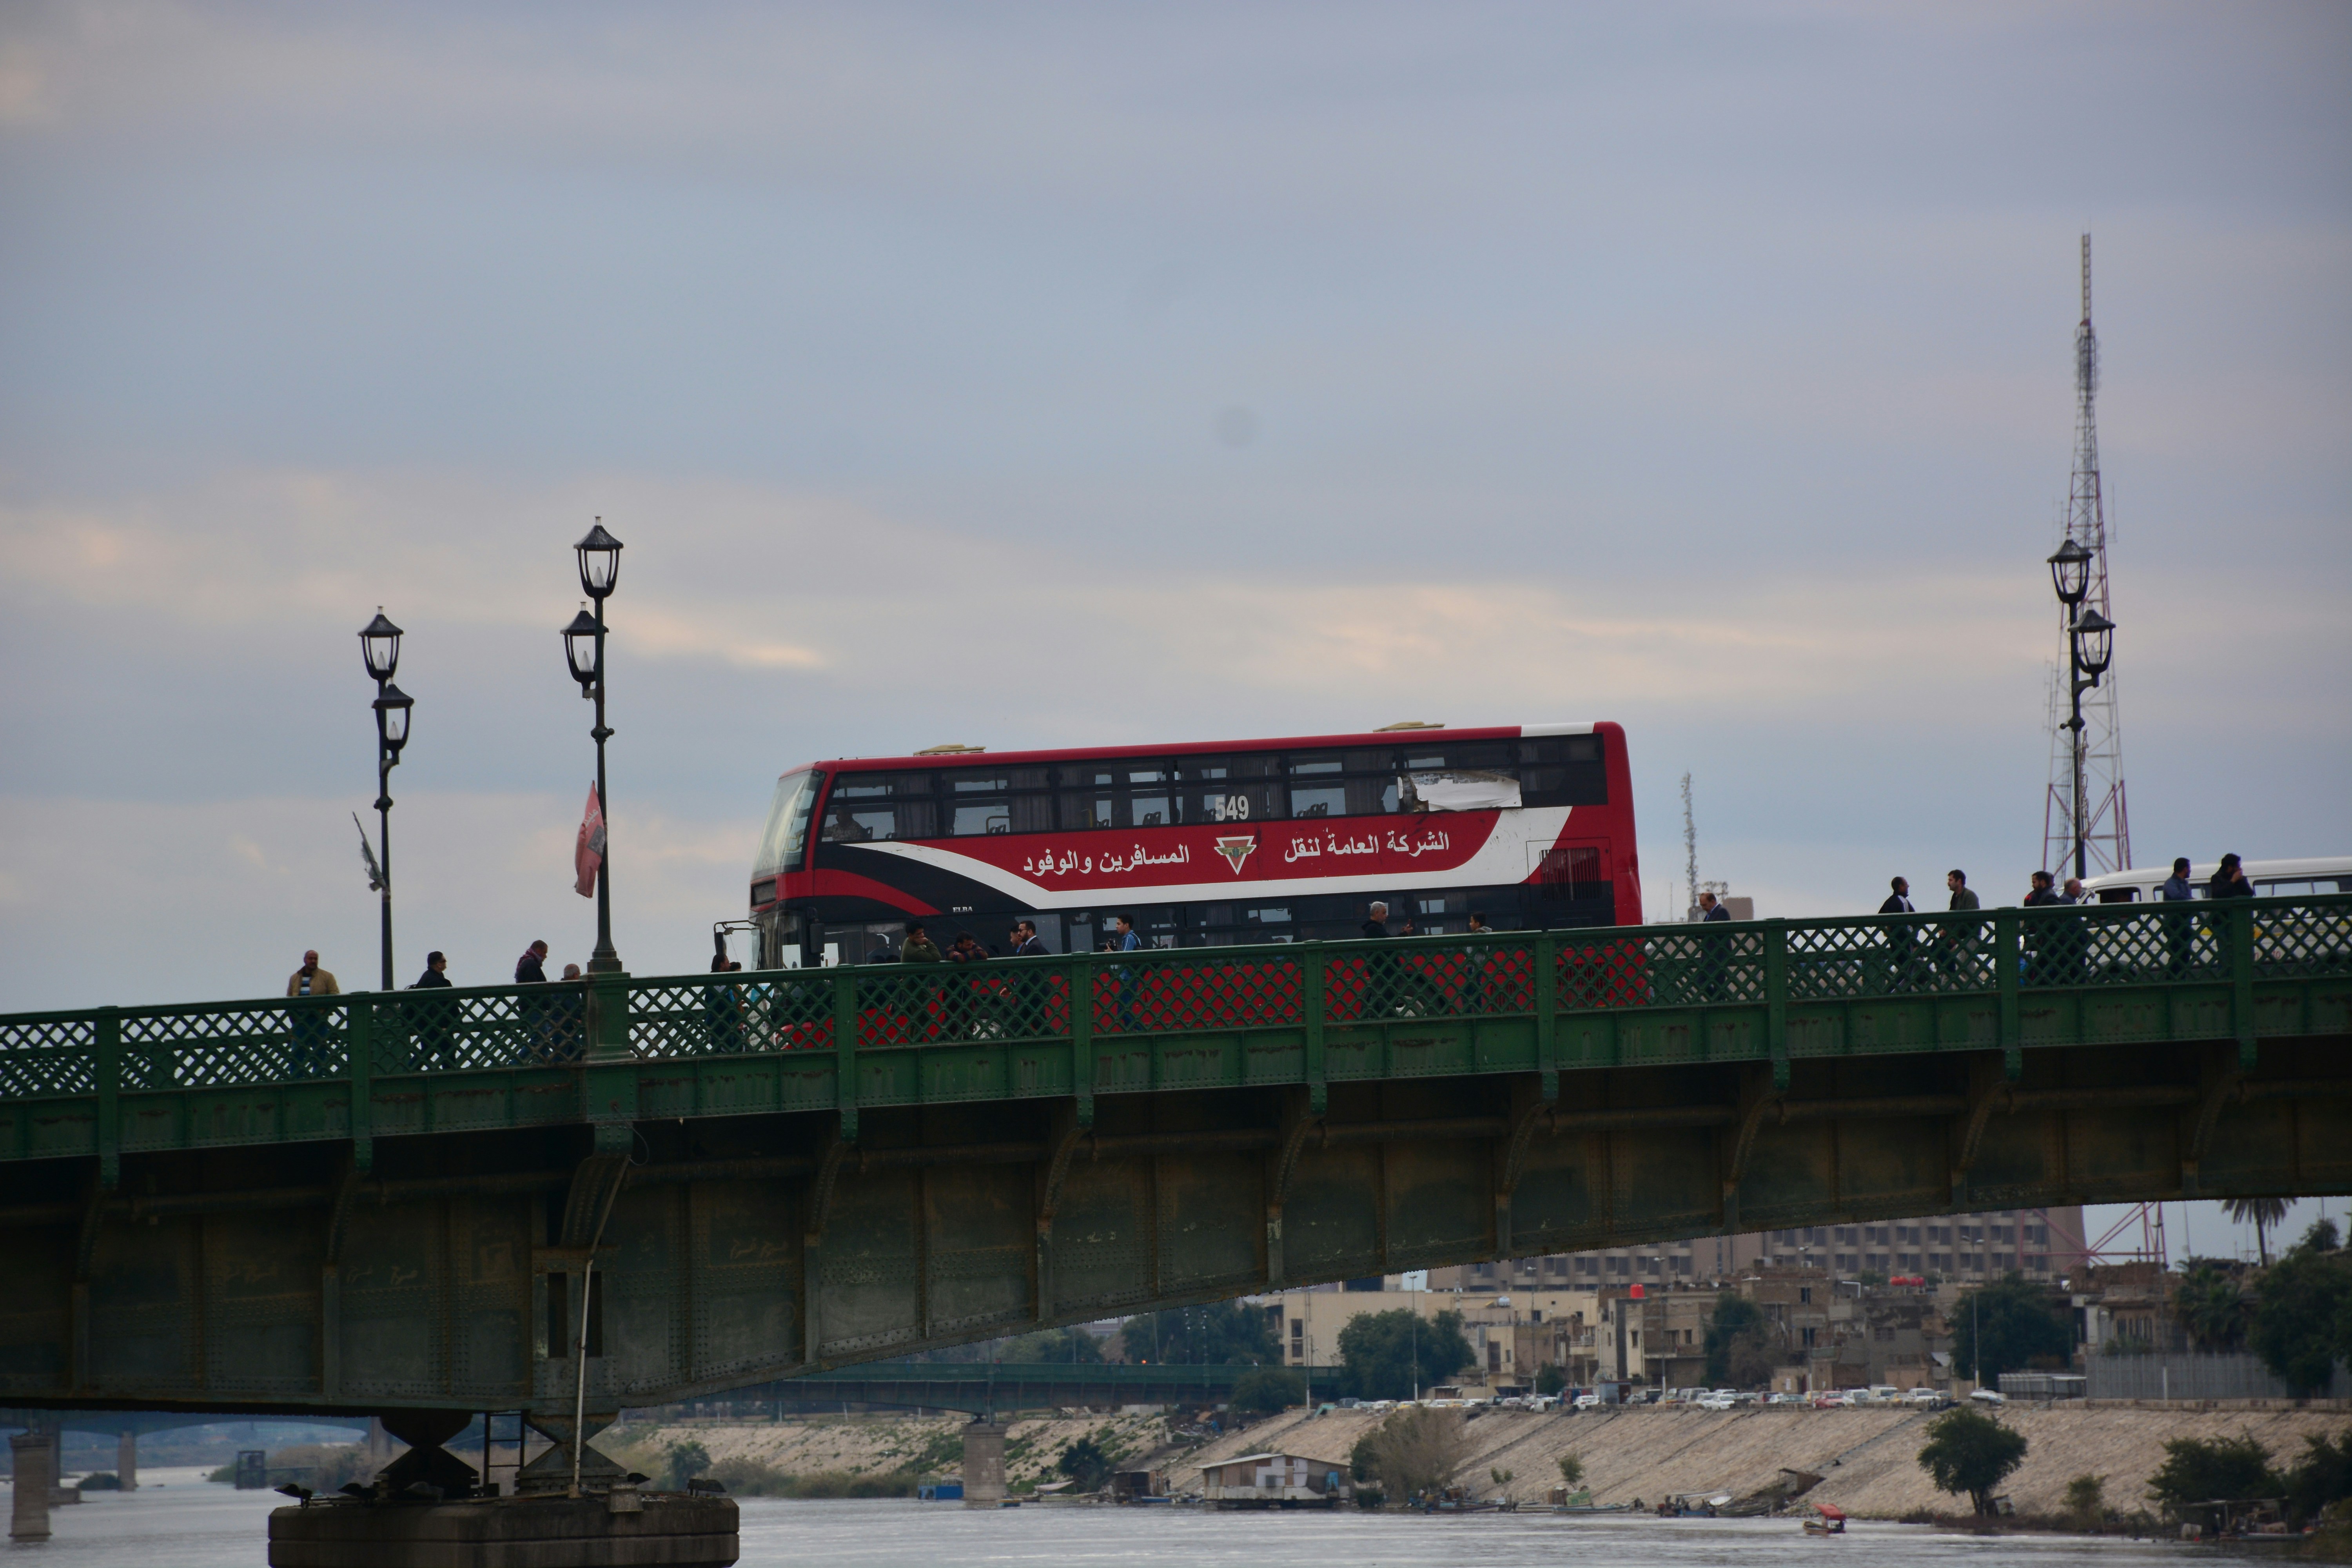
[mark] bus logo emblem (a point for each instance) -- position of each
(1235, 851)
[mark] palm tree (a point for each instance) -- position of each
(2262, 1214)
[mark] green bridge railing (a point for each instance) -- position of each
(111, 1079)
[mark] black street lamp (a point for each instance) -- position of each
(379, 651)
(583, 649)
(2090, 648)
(2070, 573)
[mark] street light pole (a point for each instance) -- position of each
(583, 645)
(380, 650)
(2089, 647)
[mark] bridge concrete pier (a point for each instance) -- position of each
(616, 1529)
(126, 1461)
(35, 1457)
(983, 1463)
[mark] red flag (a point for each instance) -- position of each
(588, 854)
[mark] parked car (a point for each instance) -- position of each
(1925, 1398)
(1831, 1399)
(1588, 1401)
(1716, 1400)
(1990, 1396)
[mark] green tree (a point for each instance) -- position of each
(1970, 1453)
(1224, 1334)
(1735, 1316)
(2016, 1321)
(2302, 1311)
(1387, 1354)
(1550, 1379)
(1571, 1469)
(1085, 1463)
(684, 1461)
(2086, 1501)
(2210, 1307)
(2322, 1476)
(1262, 1390)
(1364, 1459)
(2262, 1214)
(1417, 1450)
(2200, 1471)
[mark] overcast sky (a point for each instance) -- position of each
(1036, 375)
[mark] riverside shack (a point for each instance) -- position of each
(1275, 1480)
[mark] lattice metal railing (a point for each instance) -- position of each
(55, 1054)
(236, 1044)
(1192, 990)
(454, 1030)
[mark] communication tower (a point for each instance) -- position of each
(2107, 830)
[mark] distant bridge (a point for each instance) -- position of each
(381, 1201)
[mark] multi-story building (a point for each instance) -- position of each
(2043, 1244)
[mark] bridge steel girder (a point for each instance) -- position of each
(222, 1248)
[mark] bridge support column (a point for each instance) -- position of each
(126, 1460)
(983, 1463)
(35, 1457)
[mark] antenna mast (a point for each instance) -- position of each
(2107, 825)
(1690, 853)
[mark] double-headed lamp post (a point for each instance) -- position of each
(583, 649)
(380, 650)
(2090, 648)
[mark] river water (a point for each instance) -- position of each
(186, 1522)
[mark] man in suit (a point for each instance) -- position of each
(1898, 903)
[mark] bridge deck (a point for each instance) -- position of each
(108, 1081)
(378, 1200)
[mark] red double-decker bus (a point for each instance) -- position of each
(1202, 844)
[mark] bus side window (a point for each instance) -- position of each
(1227, 789)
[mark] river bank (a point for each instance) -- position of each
(1868, 1457)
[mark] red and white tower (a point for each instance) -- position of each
(2098, 798)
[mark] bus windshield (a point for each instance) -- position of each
(786, 836)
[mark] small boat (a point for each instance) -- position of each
(1825, 1519)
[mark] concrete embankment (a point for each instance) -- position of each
(1868, 1457)
(866, 1445)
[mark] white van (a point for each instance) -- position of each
(2269, 878)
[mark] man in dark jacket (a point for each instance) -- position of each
(1902, 941)
(2230, 880)
(2180, 925)
(528, 970)
(1961, 937)
(430, 1017)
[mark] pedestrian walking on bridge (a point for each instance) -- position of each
(432, 1018)
(310, 1024)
